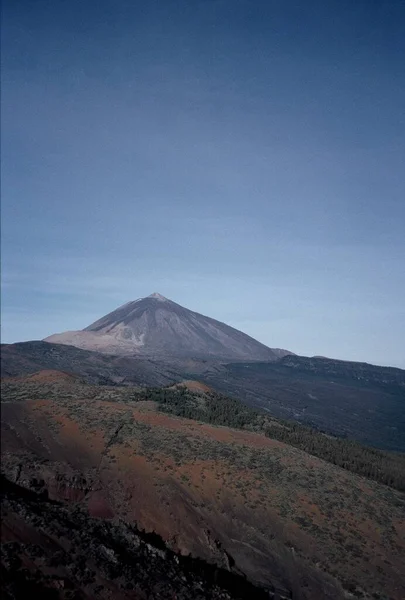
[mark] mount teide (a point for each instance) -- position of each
(157, 326)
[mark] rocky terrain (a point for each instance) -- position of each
(118, 460)
(132, 470)
(354, 400)
(56, 550)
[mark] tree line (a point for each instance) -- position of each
(384, 467)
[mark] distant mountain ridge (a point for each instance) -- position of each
(156, 325)
(354, 400)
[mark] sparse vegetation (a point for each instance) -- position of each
(378, 465)
(384, 467)
(126, 557)
(279, 500)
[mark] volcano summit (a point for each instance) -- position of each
(155, 326)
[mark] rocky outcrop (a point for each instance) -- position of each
(55, 551)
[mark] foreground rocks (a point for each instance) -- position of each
(50, 550)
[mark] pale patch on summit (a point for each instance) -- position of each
(158, 297)
(156, 326)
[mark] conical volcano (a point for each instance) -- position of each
(157, 326)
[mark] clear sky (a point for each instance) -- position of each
(244, 158)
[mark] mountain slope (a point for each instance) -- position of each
(24, 358)
(92, 558)
(246, 502)
(354, 400)
(157, 326)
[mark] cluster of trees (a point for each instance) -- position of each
(384, 467)
(211, 408)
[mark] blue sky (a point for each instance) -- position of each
(243, 158)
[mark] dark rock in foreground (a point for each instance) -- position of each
(51, 550)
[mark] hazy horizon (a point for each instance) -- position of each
(244, 159)
(190, 308)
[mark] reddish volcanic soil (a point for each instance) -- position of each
(46, 376)
(194, 386)
(226, 495)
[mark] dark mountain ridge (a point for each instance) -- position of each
(354, 400)
(360, 371)
(24, 358)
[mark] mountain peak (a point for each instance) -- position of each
(158, 296)
(154, 325)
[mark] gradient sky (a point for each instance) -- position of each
(244, 158)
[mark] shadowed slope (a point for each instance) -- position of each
(52, 551)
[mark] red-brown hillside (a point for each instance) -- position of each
(194, 386)
(46, 376)
(235, 497)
